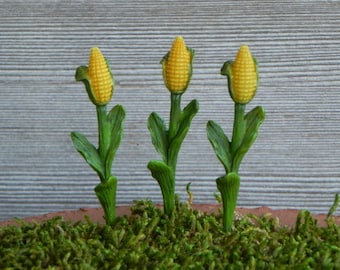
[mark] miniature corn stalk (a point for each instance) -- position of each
(177, 71)
(242, 77)
(99, 85)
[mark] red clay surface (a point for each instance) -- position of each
(286, 217)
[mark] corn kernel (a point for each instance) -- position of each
(100, 78)
(177, 66)
(242, 75)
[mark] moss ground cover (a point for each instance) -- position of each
(188, 239)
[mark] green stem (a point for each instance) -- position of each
(103, 137)
(169, 203)
(238, 130)
(106, 190)
(229, 186)
(175, 114)
(106, 194)
(166, 180)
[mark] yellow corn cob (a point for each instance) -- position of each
(243, 76)
(100, 78)
(177, 66)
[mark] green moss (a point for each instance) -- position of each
(187, 239)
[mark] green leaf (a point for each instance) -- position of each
(334, 206)
(89, 152)
(163, 174)
(174, 148)
(187, 115)
(253, 120)
(185, 120)
(220, 144)
(166, 180)
(115, 119)
(159, 134)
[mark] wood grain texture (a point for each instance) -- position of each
(295, 162)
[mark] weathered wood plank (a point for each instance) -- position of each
(295, 161)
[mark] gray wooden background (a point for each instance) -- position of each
(295, 162)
